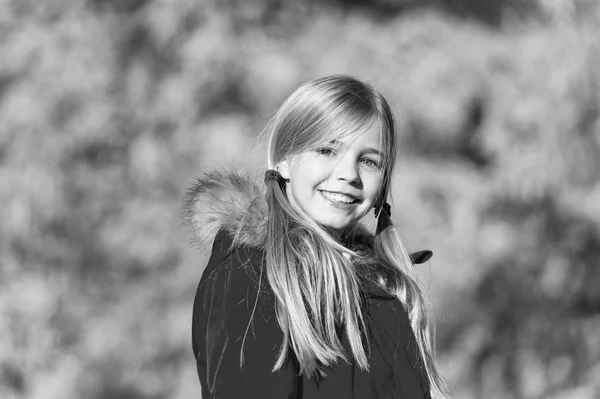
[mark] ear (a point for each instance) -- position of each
(284, 169)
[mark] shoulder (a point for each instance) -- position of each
(386, 312)
(228, 294)
(228, 256)
(235, 334)
(234, 274)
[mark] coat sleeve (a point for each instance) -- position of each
(233, 313)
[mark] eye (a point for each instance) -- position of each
(371, 163)
(325, 151)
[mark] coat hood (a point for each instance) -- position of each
(234, 201)
(228, 200)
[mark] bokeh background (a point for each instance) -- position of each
(108, 108)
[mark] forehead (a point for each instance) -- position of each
(368, 135)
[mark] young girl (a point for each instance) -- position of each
(298, 300)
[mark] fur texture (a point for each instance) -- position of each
(230, 200)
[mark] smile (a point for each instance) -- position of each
(338, 197)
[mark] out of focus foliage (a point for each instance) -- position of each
(109, 107)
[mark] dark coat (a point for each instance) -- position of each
(234, 311)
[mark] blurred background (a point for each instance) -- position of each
(108, 108)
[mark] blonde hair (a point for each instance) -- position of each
(313, 276)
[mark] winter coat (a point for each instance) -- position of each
(234, 312)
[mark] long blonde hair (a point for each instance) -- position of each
(313, 276)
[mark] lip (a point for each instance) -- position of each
(341, 205)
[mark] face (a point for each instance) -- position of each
(337, 183)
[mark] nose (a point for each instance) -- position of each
(347, 170)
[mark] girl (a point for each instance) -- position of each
(298, 300)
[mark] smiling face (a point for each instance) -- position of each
(337, 183)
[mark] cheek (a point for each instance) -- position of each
(372, 189)
(307, 175)
(299, 189)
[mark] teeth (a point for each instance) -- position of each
(338, 197)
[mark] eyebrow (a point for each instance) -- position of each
(371, 150)
(368, 150)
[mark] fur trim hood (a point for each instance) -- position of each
(230, 200)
